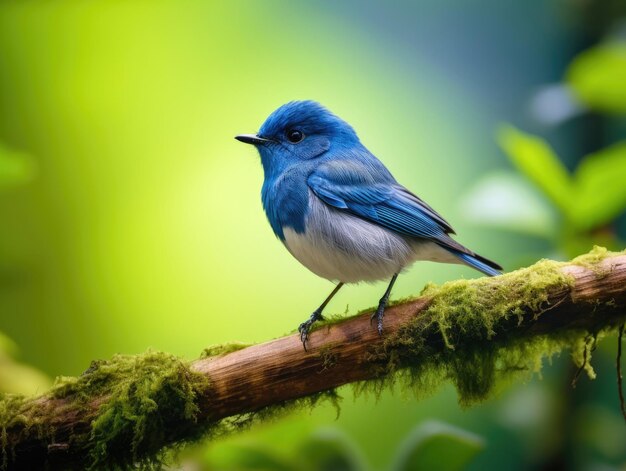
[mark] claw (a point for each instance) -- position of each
(305, 327)
(378, 315)
(304, 333)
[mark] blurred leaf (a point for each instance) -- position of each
(330, 450)
(600, 187)
(247, 457)
(15, 377)
(536, 159)
(598, 77)
(507, 201)
(602, 428)
(437, 446)
(593, 196)
(326, 449)
(18, 378)
(15, 167)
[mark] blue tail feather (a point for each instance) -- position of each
(479, 263)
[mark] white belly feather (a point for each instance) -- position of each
(341, 247)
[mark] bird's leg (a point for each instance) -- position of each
(380, 312)
(316, 316)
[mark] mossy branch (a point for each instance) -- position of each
(124, 412)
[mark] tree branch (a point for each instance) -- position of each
(471, 332)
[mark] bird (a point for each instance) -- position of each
(339, 211)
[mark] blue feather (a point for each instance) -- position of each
(383, 202)
(474, 261)
(380, 199)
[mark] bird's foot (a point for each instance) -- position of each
(379, 315)
(305, 327)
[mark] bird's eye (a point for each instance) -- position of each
(295, 135)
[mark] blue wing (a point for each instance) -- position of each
(354, 187)
(364, 191)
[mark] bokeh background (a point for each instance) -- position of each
(131, 219)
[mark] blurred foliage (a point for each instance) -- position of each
(534, 158)
(16, 377)
(326, 449)
(437, 447)
(591, 197)
(598, 77)
(331, 450)
(572, 211)
(432, 446)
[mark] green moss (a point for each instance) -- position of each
(592, 258)
(328, 321)
(223, 349)
(582, 355)
(591, 261)
(146, 401)
(11, 406)
(328, 355)
(472, 334)
(145, 396)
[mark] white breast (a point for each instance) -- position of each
(342, 247)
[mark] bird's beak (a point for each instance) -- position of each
(252, 139)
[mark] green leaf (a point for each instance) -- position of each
(600, 187)
(593, 196)
(535, 158)
(248, 457)
(16, 377)
(19, 378)
(15, 168)
(598, 77)
(505, 200)
(330, 450)
(437, 446)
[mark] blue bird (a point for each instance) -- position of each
(339, 211)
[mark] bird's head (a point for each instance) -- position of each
(299, 130)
